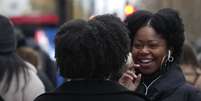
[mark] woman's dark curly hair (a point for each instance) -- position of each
(119, 33)
(91, 50)
(166, 22)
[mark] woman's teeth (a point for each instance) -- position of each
(145, 61)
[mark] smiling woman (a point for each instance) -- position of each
(149, 49)
(157, 40)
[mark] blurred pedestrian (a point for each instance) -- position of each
(32, 56)
(190, 65)
(156, 45)
(47, 69)
(18, 79)
(44, 66)
(88, 53)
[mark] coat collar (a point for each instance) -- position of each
(91, 87)
(166, 84)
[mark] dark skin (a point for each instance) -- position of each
(148, 52)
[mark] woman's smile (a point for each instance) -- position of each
(148, 50)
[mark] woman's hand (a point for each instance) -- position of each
(130, 79)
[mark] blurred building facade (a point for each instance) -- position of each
(188, 9)
(71, 9)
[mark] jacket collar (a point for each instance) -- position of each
(166, 84)
(91, 87)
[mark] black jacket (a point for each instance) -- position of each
(171, 86)
(91, 90)
(1, 99)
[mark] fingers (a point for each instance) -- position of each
(130, 80)
(125, 78)
(132, 74)
(136, 66)
(138, 80)
(133, 66)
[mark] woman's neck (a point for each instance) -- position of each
(147, 79)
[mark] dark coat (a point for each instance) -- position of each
(1, 99)
(91, 90)
(171, 87)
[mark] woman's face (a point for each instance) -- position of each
(148, 50)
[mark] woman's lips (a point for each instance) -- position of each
(145, 63)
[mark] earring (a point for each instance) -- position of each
(170, 58)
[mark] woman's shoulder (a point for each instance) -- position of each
(192, 92)
(189, 87)
(34, 86)
(31, 67)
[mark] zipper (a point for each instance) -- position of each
(147, 87)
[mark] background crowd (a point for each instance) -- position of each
(92, 61)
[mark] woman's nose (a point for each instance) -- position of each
(145, 50)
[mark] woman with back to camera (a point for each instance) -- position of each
(156, 41)
(88, 53)
(18, 79)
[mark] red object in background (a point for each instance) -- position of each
(36, 20)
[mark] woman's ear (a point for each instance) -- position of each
(170, 58)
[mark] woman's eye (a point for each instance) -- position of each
(153, 45)
(138, 46)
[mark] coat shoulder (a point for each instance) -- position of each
(90, 97)
(193, 94)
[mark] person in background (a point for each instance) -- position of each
(30, 55)
(18, 79)
(156, 45)
(190, 65)
(88, 53)
(38, 59)
(47, 67)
